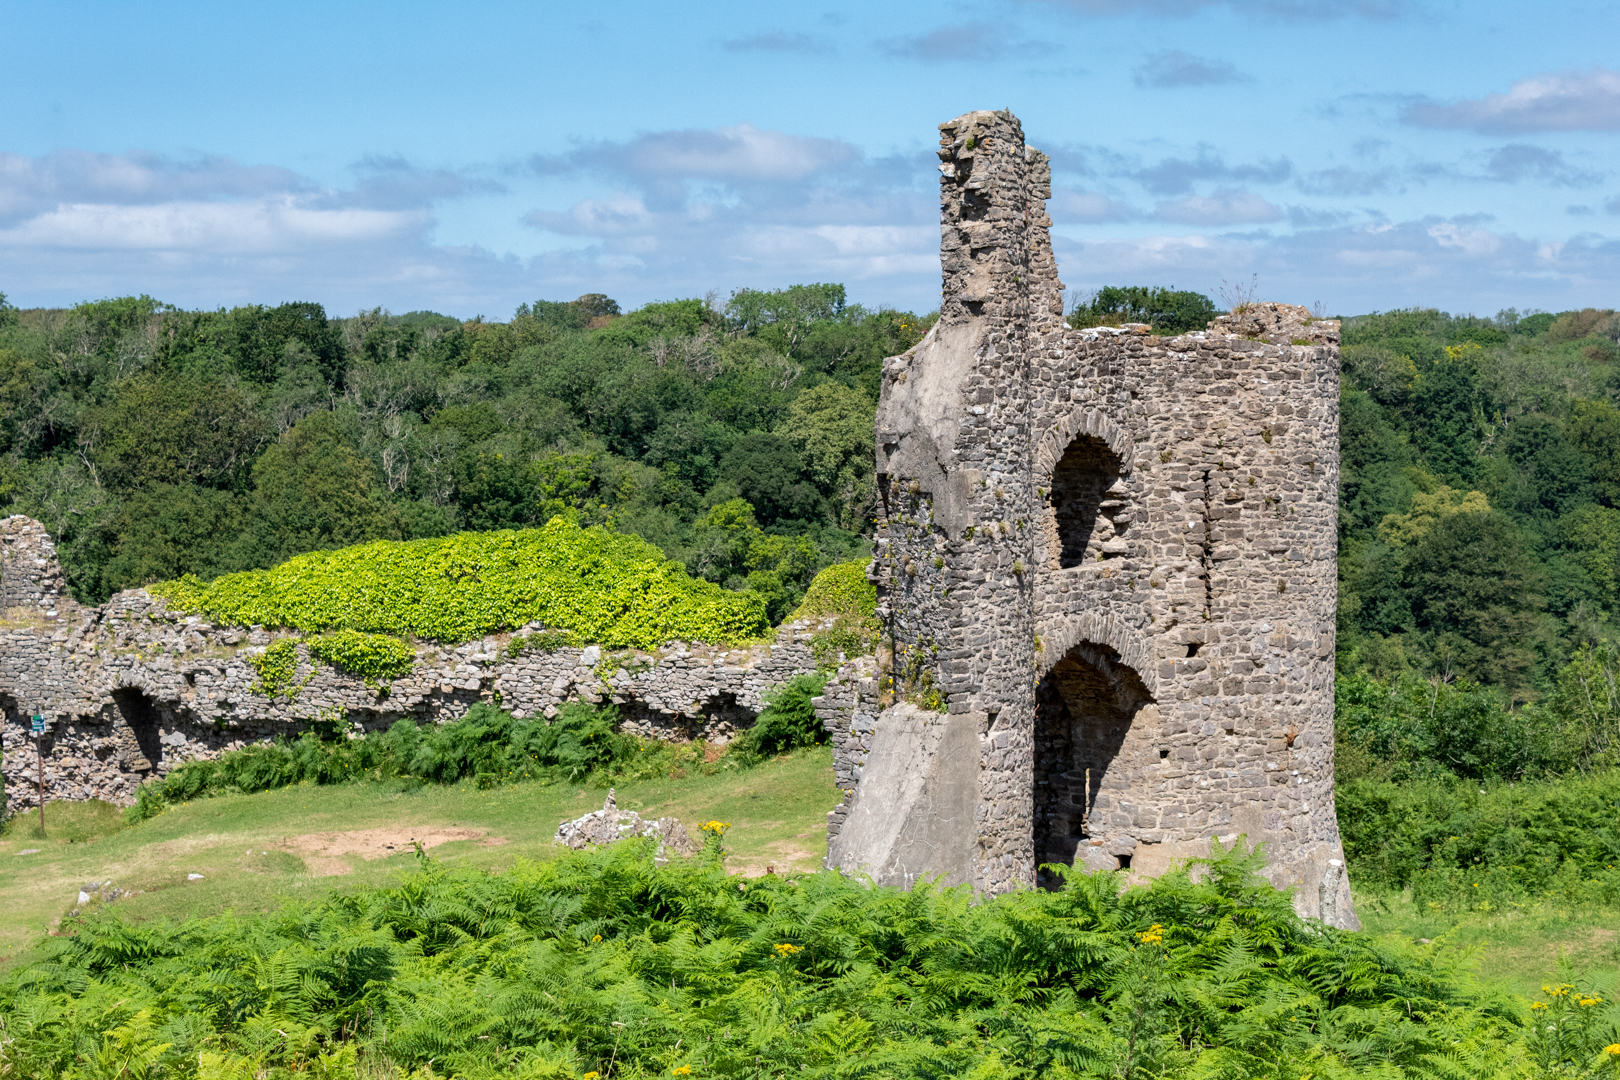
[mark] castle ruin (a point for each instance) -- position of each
(1106, 568)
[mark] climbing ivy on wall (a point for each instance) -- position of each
(843, 594)
(275, 667)
(374, 657)
(606, 587)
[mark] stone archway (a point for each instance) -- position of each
(1084, 506)
(1086, 748)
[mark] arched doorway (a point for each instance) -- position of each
(1084, 709)
(1079, 502)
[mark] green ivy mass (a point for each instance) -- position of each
(606, 587)
(374, 656)
(841, 591)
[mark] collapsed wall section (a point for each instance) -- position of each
(130, 690)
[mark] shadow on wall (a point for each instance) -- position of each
(1084, 709)
(141, 716)
(1082, 503)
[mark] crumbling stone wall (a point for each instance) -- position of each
(131, 689)
(1106, 568)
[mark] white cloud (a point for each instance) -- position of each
(1459, 265)
(1086, 207)
(1573, 101)
(259, 226)
(1221, 208)
(743, 206)
(731, 154)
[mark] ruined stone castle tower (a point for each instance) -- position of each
(1106, 566)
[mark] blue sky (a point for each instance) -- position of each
(1365, 154)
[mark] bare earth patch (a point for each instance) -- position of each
(326, 853)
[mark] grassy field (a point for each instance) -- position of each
(1514, 950)
(252, 850)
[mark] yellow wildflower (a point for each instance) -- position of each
(1538, 1004)
(717, 827)
(1588, 999)
(1613, 1049)
(788, 950)
(596, 937)
(592, 1075)
(681, 1070)
(1153, 935)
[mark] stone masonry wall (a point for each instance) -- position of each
(131, 689)
(1106, 565)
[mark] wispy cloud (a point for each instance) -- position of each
(1176, 175)
(1177, 68)
(1294, 10)
(1221, 208)
(777, 41)
(1517, 161)
(1072, 205)
(741, 205)
(960, 41)
(1458, 264)
(1573, 101)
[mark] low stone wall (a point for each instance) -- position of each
(131, 689)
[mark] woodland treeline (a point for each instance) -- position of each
(155, 442)
(1480, 498)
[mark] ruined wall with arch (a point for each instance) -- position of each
(130, 689)
(1106, 565)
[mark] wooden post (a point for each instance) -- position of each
(39, 749)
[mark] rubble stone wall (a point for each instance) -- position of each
(131, 689)
(1111, 555)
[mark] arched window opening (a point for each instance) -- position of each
(1085, 503)
(1084, 709)
(140, 716)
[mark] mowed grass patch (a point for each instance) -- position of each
(254, 850)
(1515, 950)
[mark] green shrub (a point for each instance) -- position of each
(787, 722)
(1456, 843)
(487, 746)
(601, 962)
(603, 586)
(545, 641)
(843, 594)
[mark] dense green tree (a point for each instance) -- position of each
(167, 530)
(1594, 427)
(1475, 591)
(832, 424)
(769, 474)
(1549, 476)
(1445, 405)
(312, 490)
(1168, 311)
(167, 430)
